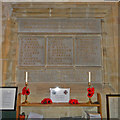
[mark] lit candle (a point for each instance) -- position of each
(89, 76)
(26, 76)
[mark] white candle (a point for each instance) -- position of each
(26, 76)
(89, 76)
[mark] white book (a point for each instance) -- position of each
(91, 115)
(34, 115)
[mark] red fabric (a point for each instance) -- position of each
(73, 101)
(25, 91)
(46, 101)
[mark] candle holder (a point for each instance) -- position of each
(26, 96)
(90, 101)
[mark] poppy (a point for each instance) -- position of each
(89, 89)
(23, 91)
(90, 94)
(49, 101)
(73, 101)
(27, 92)
(93, 89)
(46, 101)
(22, 116)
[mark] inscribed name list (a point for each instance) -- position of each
(31, 51)
(88, 51)
(59, 51)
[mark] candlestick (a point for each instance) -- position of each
(89, 77)
(26, 77)
(90, 90)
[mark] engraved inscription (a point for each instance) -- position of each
(59, 51)
(88, 51)
(50, 25)
(31, 51)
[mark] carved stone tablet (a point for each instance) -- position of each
(31, 51)
(88, 51)
(59, 51)
(50, 25)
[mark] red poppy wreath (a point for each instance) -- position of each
(73, 101)
(46, 101)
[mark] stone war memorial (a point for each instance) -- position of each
(60, 60)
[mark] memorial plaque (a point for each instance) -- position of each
(31, 51)
(60, 51)
(54, 25)
(60, 95)
(88, 51)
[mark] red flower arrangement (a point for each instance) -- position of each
(90, 92)
(73, 101)
(46, 101)
(25, 91)
(22, 116)
(91, 89)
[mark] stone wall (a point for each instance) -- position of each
(13, 75)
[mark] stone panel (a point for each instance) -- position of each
(61, 75)
(39, 75)
(88, 51)
(31, 51)
(81, 75)
(54, 25)
(59, 51)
